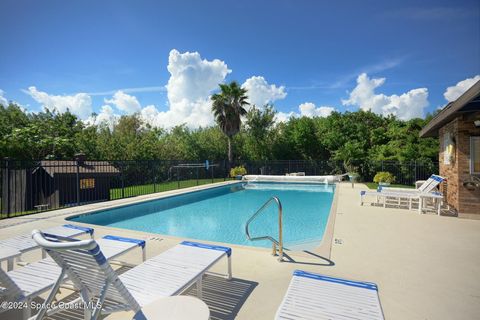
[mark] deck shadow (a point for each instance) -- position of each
(224, 297)
(325, 261)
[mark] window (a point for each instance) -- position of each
(87, 183)
(475, 154)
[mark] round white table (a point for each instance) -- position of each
(174, 308)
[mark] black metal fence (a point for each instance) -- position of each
(33, 186)
(406, 173)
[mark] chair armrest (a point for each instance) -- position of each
(419, 183)
(43, 242)
(392, 189)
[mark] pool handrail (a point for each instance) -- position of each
(275, 243)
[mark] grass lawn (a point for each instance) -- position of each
(159, 187)
(373, 185)
(16, 214)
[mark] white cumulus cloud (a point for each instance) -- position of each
(261, 93)
(453, 92)
(106, 116)
(284, 116)
(405, 106)
(3, 100)
(307, 109)
(124, 102)
(79, 104)
(192, 80)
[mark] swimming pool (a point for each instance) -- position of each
(220, 213)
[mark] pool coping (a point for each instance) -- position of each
(323, 249)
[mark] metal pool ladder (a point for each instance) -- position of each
(275, 243)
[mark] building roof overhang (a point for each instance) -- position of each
(468, 102)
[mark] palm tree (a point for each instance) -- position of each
(228, 107)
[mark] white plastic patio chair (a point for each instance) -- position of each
(26, 283)
(312, 296)
(405, 198)
(428, 186)
(24, 242)
(167, 274)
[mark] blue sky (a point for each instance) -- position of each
(309, 51)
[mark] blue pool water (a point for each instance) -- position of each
(219, 214)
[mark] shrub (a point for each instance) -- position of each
(384, 176)
(238, 171)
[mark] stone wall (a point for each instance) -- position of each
(465, 202)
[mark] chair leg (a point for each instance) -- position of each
(87, 314)
(85, 297)
(10, 264)
(100, 301)
(199, 287)
(51, 295)
(229, 267)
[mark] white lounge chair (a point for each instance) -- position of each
(429, 185)
(404, 198)
(24, 242)
(314, 296)
(28, 282)
(167, 274)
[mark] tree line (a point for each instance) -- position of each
(347, 136)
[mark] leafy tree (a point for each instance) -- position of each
(12, 117)
(37, 136)
(210, 142)
(303, 137)
(352, 138)
(228, 107)
(258, 126)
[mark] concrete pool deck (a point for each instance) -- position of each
(426, 266)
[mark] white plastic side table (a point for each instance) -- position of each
(174, 308)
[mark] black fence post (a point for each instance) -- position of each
(211, 169)
(7, 165)
(154, 177)
(122, 178)
(415, 172)
(78, 182)
(178, 179)
(197, 176)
